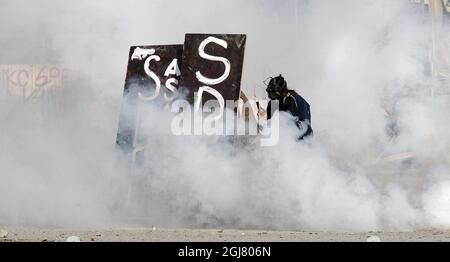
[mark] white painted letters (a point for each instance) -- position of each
(173, 68)
(226, 62)
(171, 85)
(153, 76)
(213, 92)
(141, 53)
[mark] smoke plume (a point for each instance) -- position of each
(362, 65)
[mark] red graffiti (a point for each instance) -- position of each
(26, 80)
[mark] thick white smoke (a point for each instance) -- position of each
(355, 61)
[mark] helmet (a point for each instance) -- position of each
(276, 86)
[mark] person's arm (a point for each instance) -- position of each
(303, 126)
(301, 111)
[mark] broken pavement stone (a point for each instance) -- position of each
(46, 240)
(73, 239)
(373, 239)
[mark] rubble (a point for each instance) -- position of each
(73, 239)
(3, 233)
(373, 239)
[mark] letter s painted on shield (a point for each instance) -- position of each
(153, 76)
(226, 62)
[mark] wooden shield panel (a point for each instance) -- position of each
(152, 76)
(213, 60)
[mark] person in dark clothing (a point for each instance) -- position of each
(290, 101)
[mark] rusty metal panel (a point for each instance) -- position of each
(152, 77)
(205, 56)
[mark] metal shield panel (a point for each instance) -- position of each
(205, 56)
(152, 71)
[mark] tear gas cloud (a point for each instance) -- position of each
(358, 63)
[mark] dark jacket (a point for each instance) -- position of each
(298, 107)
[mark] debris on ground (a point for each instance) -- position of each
(73, 239)
(373, 239)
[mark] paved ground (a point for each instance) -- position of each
(217, 235)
